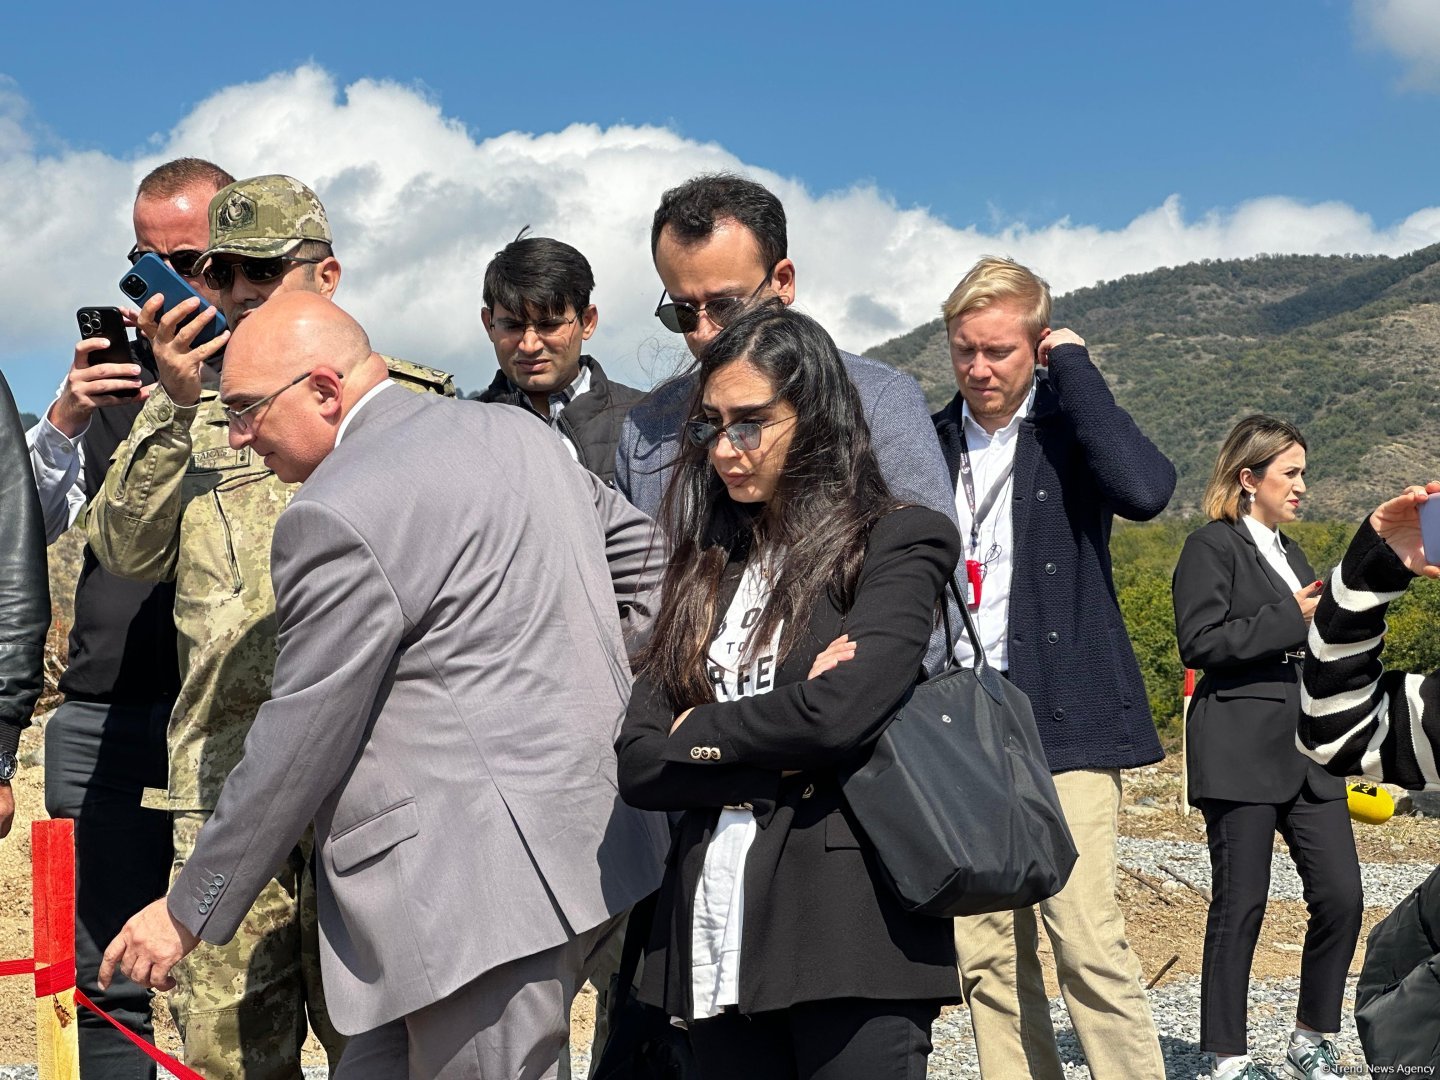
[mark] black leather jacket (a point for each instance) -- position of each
(24, 584)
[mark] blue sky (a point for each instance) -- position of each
(1056, 130)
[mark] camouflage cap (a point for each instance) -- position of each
(264, 217)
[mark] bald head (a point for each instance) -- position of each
(317, 363)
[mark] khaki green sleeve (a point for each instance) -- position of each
(134, 523)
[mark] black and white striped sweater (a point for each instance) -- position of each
(1356, 717)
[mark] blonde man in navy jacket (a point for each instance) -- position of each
(1042, 460)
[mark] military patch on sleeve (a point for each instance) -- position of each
(419, 378)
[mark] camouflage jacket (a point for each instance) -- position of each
(179, 504)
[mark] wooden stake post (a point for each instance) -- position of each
(56, 1032)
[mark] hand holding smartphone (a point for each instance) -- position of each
(1430, 529)
(108, 323)
(151, 275)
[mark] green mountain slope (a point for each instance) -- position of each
(1345, 346)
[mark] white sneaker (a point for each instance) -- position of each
(1244, 1069)
(1312, 1062)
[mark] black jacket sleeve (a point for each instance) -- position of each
(24, 585)
(813, 723)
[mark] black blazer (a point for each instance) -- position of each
(1235, 620)
(819, 921)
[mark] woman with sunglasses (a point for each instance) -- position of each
(774, 939)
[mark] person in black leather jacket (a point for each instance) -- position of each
(24, 596)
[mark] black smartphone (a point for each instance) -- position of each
(107, 322)
(151, 275)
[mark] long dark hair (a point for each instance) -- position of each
(829, 494)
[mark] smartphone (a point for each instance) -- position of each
(108, 323)
(153, 275)
(1430, 529)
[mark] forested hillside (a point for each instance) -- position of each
(1345, 346)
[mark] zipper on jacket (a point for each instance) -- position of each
(229, 545)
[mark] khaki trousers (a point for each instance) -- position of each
(1099, 975)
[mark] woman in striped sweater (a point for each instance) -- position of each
(1359, 718)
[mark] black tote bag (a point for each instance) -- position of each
(957, 797)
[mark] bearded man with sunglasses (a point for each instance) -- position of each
(719, 244)
(179, 504)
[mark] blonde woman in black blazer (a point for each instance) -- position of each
(1244, 596)
(795, 616)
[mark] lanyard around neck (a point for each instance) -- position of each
(967, 481)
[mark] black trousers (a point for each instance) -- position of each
(97, 760)
(1323, 847)
(841, 1039)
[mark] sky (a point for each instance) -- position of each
(905, 139)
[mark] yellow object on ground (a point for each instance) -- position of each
(1369, 803)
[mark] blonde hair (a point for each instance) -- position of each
(994, 280)
(1252, 444)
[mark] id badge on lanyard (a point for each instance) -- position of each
(974, 568)
(974, 575)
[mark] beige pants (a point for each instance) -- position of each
(1099, 975)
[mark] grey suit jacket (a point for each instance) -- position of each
(901, 434)
(451, 678)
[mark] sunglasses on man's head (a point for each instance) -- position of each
(182, 261)
(219, 275)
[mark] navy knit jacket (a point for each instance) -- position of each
(1079, 460)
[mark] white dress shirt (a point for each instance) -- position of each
(59, 466)
(1268, 541)
(989, 456)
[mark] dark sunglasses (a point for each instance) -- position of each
(743, 434)
(682, 317)
(182, 261)
(219, 275)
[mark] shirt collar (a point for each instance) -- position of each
(364, 400)
(967, 419)
(1264, 537)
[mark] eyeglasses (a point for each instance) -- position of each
(219, 275)
(682, 317)
(743, 434)
(546, 329)
(243, 420)
(182, 261)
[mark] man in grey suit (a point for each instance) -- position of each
(451, 676)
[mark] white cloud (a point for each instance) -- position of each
(419, 206)
(1408, 28)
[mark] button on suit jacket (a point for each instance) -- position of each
(450, 588)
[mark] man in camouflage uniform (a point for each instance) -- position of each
(179, 504)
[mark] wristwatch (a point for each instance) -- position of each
(8, 767)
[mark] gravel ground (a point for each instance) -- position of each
(1176, 1004)
(1385, 884)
